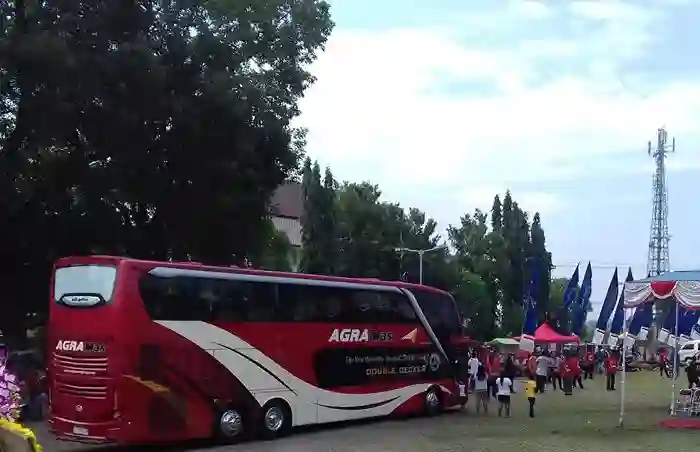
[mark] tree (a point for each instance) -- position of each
(277, 254)
(168, 147)
(541, 262)
(497, 215)
(481, 253)
(318, 223)
(515, 276)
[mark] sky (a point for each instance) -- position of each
(445, 104)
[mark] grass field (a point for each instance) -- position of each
(586, 421)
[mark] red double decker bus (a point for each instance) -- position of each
(148, 352)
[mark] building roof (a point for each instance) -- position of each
(678, 275)
(287, 201)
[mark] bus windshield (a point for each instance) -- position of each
(84, 285)
(440, 311)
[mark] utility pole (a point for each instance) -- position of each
(658, 258)
(420, 254)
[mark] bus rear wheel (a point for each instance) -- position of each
(276, 419)
(433, 401)
(230, 426)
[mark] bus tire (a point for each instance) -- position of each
(275, 419)
(229, 426)
(432, 401)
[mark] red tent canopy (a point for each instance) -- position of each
(545, 334)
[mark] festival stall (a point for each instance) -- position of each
(505, 344)
(545, 334)
(683, 287)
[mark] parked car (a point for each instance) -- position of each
(688, 352)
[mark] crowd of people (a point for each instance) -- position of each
(492, 374)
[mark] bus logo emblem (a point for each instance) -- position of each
(70, 346)
(358, 335)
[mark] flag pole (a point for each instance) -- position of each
(675, 363)
(625, 330)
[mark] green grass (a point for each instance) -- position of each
(586, 421)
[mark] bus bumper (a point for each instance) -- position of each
(84, 432)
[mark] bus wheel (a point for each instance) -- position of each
(230, 425)
(276, 419)
(433, 401)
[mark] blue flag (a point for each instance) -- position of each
(608, 304)
(570, 292)
(688, 319)
(670, 320)
(530, 304)
(619, 317)
(583, 301)
(642, 318)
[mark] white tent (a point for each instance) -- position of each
(684, 288)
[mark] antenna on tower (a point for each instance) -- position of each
(658, 259)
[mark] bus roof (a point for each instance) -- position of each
(115, 260)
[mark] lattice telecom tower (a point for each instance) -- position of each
(658, 260)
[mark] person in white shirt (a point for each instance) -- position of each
(473, 366)
(481, 390)
(541, 372)
(504, 388)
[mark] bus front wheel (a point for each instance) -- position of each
(276, 419)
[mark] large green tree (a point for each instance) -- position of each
(540, 261)
(481, 257)
(319, 230)
(154, 129)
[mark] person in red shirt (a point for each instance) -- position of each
(611, 370)
(566, 373)
(589, 368)
(531, 366)
(575, 364)
(663, 359)
(494, 370)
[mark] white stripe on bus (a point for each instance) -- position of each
(309, 403)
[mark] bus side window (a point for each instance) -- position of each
(302, 303)
(362, 306)
(384, 307)
(172, 298)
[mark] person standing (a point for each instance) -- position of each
(531, 393)
(505, 389)
(509, 371)
(575, 364)
(541, 372)
(481, 390)
(600, 360)
(589, 368)
(493, 371)
(693, 372)
(566, 376)
(473, 367)
(531, 366)
(663, 362)
(611, 371)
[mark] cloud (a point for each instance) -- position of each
(525, 94)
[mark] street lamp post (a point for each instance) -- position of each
(420, 254)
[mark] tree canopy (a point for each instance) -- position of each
(146, 128)
(160, 130)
